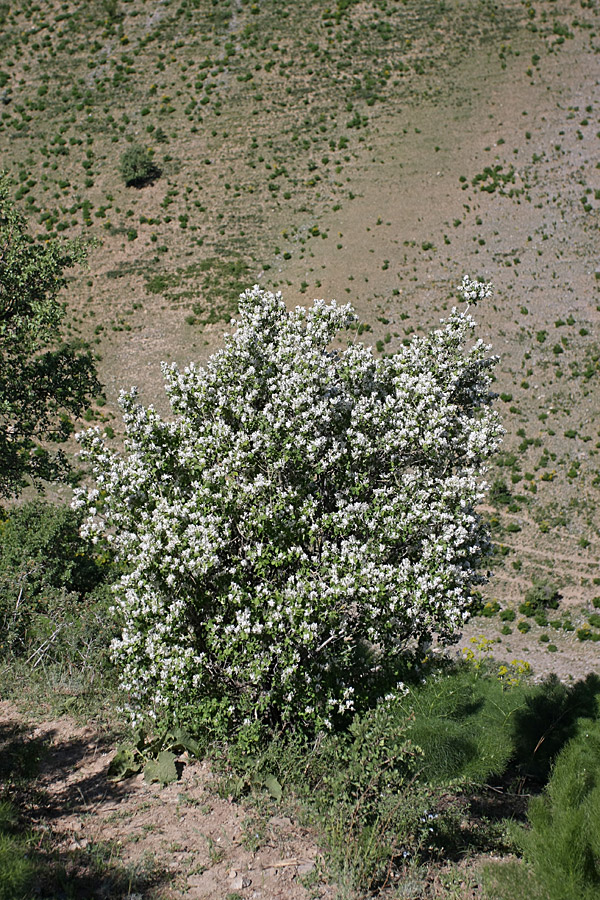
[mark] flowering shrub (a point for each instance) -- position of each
(307, 513)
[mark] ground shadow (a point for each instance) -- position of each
(549, 719)
(27, 765)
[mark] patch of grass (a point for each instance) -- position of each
(560, 846)
(392, 791)
(17, 870)
(212, 286)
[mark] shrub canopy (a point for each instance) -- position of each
(138, 167)
(307, 513)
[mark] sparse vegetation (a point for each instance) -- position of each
(324, 154)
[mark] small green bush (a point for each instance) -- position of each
(54, 590)
(500, 492)
(561, 849)
(508, 615)
(461, 724)
(137, 167)
(543, 594)
(490, 609)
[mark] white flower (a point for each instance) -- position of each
(300, 502)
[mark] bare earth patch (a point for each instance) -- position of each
(191, 842)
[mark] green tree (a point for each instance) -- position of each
(44, 381)
(138, 167)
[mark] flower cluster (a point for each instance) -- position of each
(306, 514)
(472, 291)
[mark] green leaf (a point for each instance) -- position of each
(161, 769)
(181, 740)
(139, 739)
(273, 787)
(153, 747)
(50, 379)
(125, 763)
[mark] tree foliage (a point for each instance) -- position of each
(307, 514)
(44, 381)
(138, 167)
(53, 588)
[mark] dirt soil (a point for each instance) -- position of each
(182, 840)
